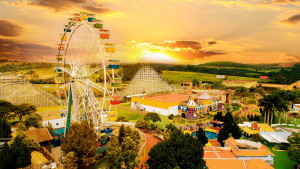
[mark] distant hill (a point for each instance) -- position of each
(235, 64)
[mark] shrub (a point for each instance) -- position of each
(143, 124)
(122, 119)
(171, 116)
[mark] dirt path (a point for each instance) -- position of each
(150, 142)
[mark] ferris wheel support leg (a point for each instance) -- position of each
(68, 122)
(74, 98)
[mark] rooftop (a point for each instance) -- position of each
(240, 81)
(218, 152)
(265, 128)
(39, 135)
(257, 163)
(225, 163)
(247, 148)
(170, 98)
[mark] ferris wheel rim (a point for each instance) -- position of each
(77, 25)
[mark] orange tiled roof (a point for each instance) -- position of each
(217, 152)
(263, 147)
(263, 150)
(257, 163)
(210, 154)
(237, 164)
(215, 143)
(225, 163)
(226, 154)
(210, 148)
(233, 141)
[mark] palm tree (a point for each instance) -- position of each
(267, 102)
(282, 102)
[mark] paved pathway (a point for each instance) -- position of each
(150, 142)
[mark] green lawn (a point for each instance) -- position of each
(281, 161)
(290, 120)
(178, 76)
(42, 72)
(131, 116)
(164, 121)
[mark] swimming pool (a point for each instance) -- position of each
(209, 135)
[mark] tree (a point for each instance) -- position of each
(294, 138)
(228, 122)
(195, 82)
(129, 144)
(135, 135)
(122, 119)
(24, 109)
(6, 159)
(201, 136)
(121, 133)
(5, 129)
(158, 130)
(154, 117)
(219, 116)
(21, 153)
(34, 120)
(126, 152)
(70, 161)
(175, 151)
(143, 124)
(21, 127)
(113, 152)
(6, 109)
(50, 129)
(171, 116)
(236, 131)
(28, 141)
(129, 159)
(222, 136)
(241, 91)
(81, 139)
(128, 131)
(270, 103)
(293, 153)
(231, 127)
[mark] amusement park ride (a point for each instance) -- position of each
(84, 51)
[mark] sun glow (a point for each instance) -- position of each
(158, 57)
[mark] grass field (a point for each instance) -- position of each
(46, 109)
(164, 121)
(42, 72)
(281, 161)
(131, 116)
(178, 76)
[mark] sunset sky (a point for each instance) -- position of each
(162, 31)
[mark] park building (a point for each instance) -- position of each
(224, 157)
(249, 150)
(239, 83)
(192, 105)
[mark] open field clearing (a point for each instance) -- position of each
(178, 76)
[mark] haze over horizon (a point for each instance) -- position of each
(164, 31)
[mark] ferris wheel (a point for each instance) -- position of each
(87, 71)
